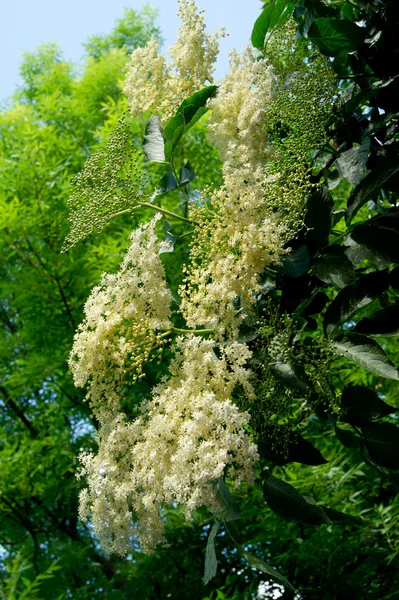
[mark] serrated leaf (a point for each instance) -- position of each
(290, 374)
(273, 14)
(366, 353)
(319, 217)
(298, 450)
(296, 263)
(345, 437)
(381, 241)
(153, 145)
(334, 267)
(228, 509)
(383, 322)
(336, 36)
(257, 563)
(284, 500)
(211, 563)
(188, 113)
(359, 405)
(354, 296)
(371, 185)
(382, 443)
(352, 163)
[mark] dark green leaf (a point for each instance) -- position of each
(211, 563)
(186, 174)
(335, 36)
(188, 113)
(257, 563)
(273, 14)
(296, 263)
(384, 322)
(354, 296)
(319, 217)
(289, 504)
(290, 373)
(153, 144)
(336, 516)
(381, 241)
(359, 405)
(352, 163)
(382, 443)
(167, 183)
(394, 278)
(366, 353)
(228, 509)
(371, 185)
(334, 267)
(345, 437)
(298, 450)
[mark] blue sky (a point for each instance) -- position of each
(25, 24)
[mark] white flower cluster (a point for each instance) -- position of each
(240, 237)
(187, 435)
(122, 317)
(153, 84)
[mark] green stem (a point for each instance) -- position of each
(185, 331)
(157, 209)
(167, 213)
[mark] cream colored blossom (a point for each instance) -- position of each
(153, 84)
(238, 113)
(122, 317)
(188, 435)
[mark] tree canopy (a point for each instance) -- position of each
(217, 265)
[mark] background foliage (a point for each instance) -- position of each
(334, 439)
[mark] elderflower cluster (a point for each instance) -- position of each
(239, 237)
(188, 435)
(230, 251)
(238, 113)
(154, 84)
(123, 316)
(110, 182)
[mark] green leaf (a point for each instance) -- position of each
(371, 185)
(359, 405)
(275, 13)
(296, 263)
(319, 217)
(354, 296)
(345, 437)
(297, 450)
(211, 563)
(382, 443)
(167, 183)
(257, 563)
(383, 322)
(352, 163)
(153, 144)
(336, 36)
(383, 242)
(336, 516)
(186, 174)
(334, 267)
(366, 353)
(290, 373)
(284, 500)
(228, 509)
(188, 113)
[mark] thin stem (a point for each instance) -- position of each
(185, 331)
(157, 209)
(167, 213)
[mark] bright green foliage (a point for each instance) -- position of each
(324, 509)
